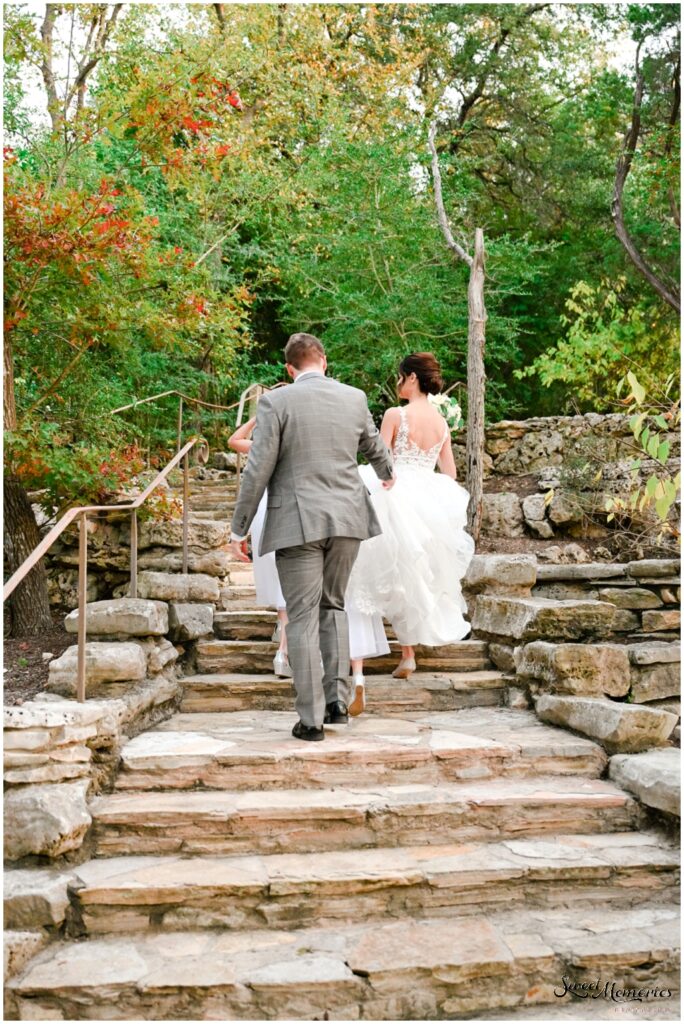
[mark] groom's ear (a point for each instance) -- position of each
(291, 370)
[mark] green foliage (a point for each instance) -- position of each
(219, 189)
(606, 332)
(662, 488)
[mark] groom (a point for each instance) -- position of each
(305, 442)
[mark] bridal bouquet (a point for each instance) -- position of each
(450, 410)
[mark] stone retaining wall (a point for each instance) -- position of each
(594, 648)
(58, 752)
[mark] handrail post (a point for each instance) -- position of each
(180, 422)
(133, 589)
(82, 600)
(186, 502)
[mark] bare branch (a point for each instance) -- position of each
(46, 35)
(669, 295)
(220, 16)
(439, 201)
(90, 59)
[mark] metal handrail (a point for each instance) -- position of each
(182, 397)
(81, 512)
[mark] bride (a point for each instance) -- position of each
(411, 572)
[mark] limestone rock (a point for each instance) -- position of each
(564, 509)
(125, 616)
(625, 621)
(658, 621)
(654, 567)
(654, 777)
(654, 652)
(503, 656)
(630, 597)
(566, 554)
(48, 819)
(541, 527)
(50, 714)
(535, 450)
(35, 897)
(224, 460)
(508, 574)
(655, 682)
(580, 571)
(502, 515)
(161, 654)
(167, 586)
(534, 506)
(213, 563)
(586, 669)
(537, 618)
(190, 621)
(628, 728)
(19, 948)
(203, 535)
(104, 663)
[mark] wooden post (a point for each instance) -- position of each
(475, 436)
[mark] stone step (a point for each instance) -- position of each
(215, 515)
(306, 821)
(252, 623)
(255, 750)
(257, 656)
(424, 691)
(294, 890)
(444, 967)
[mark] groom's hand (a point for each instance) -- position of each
(238, 549)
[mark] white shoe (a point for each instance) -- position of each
(405, 668)
(281, 665)
(358, 704)
(276, 632)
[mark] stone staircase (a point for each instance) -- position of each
(447, 855)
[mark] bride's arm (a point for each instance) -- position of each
(445, 460)
(239, 440)
(388, 427)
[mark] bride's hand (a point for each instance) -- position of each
(389, 484)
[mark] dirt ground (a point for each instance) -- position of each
(25, 672)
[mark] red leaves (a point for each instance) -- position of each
(235, 100)
(222, 150)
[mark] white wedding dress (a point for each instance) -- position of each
(411, 572)
(366, 632)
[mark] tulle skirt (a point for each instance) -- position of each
(411, 572)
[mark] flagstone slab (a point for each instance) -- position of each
(427, 691)
(540, 618)
(301, 820)
(292, 890)
(246, 656)
(248, 750)
(455, 966)
(654, 776)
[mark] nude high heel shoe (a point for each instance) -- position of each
(358, 704)
(405, 668)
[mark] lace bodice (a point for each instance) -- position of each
(407, 453)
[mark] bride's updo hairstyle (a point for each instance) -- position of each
(426, 369)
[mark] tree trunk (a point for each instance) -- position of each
(475, 437)
(29, 604)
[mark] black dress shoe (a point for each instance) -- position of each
(336, 713)
(308, 732)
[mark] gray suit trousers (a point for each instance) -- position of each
(314, 578)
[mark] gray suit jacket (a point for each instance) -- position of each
(305, 442)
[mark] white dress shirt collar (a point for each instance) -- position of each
(308, 373)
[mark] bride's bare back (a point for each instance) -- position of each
(426, 429)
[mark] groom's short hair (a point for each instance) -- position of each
(302, 348)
